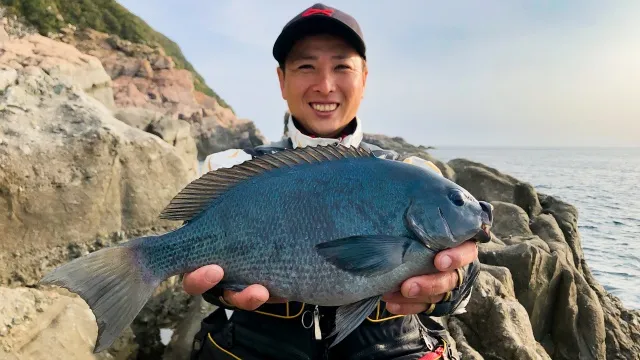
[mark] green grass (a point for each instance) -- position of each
(105, 16)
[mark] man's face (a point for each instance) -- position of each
(323, 84)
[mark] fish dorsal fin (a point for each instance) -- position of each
(199, 193)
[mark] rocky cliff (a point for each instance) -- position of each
(97, 133)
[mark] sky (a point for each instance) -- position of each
(456, 73)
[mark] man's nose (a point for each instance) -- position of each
(325, 82)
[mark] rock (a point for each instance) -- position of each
(221, 130)
(59, 60)
(71, 171)
(145, 77)
(13, 27)
(404, 149)
(137, 117)
(544, 284)
(4, 36)
(566, 216)
(483, 182)
(179, 348)
(145, 70)
(509, 220)
(465, 351)
(525, 196)
(178, 134)
(546, 227)
(579, 330)
(207, 102)
(50, 325)
(496, 325)
(167, 309)
(163, 62)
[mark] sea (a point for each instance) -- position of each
(602, 183)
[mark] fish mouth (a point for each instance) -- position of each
(486, 218)
(484, 235)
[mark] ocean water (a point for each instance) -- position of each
(603, 183)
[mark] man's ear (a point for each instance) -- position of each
(281, 80)
(365, 73)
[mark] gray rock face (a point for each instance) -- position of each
(494, 310)
(38, 325)
(219, 130)
(61, 61)
(70, 171)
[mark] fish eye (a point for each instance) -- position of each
(457, 197)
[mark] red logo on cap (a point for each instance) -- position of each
(326, 12)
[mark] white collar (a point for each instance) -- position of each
(298, 139)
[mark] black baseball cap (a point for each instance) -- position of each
(319, 19)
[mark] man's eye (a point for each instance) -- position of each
(305, 66)
(342, 67)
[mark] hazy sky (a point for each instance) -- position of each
(495, 73)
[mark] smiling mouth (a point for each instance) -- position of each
(324, 107)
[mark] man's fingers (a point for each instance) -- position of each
(457, 257)
(423, 288)
(248, 299)
(406, 309)
(398, 298)
(202, 279)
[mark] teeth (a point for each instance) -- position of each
(324, 107)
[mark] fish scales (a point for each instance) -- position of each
(286, 213)
(330, 226)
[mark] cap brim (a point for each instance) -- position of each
(317, 24)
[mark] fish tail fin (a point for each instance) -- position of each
(114, 282)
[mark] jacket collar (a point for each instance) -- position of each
(299, 139)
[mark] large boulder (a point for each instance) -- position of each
(174, 132)
(54, 325)
(59, 60)
(69, 170)
(219, 129)
(489, 184)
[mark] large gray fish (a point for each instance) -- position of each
(329, 226)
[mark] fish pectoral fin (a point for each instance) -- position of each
(349, 317)
(366, 255)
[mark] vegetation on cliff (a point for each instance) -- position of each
(49, 16)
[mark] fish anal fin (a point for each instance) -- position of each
(198, 194)
(349, 317)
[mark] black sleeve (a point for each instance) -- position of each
(460, 294)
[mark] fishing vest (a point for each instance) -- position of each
(294, 138)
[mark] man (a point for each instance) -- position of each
(322, 72)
